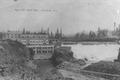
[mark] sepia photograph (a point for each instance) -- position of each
(59, 39)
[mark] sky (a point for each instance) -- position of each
(71, 15)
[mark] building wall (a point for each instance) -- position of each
(34, 41)
(38, 42)
(33, 36)
(27, 38)
(42, 51)
(12, 35)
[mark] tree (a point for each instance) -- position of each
(92, 35)
(102, 34)
(77, 36)
(84, 36)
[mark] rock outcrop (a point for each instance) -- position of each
(60, 55)
(64, 55)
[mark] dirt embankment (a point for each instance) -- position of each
(105, 67)
(13, 59)
(110, 69)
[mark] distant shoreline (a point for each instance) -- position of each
(89, 43)
(96, 43)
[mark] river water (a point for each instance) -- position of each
(95, 52)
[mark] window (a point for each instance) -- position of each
(33, 47)
(44, 51)
(43, 47)
(34, 51)
(49, 51)
(39, 47)
(39, 51)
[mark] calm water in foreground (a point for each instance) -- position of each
(107, 52)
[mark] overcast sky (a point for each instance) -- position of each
(71, 15)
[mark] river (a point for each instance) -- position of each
(95, 52)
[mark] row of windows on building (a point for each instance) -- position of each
(43, 48)
(43, 52)
(25, 36)
(34, 36)
(34, 41)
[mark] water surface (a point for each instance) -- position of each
(107, 52)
